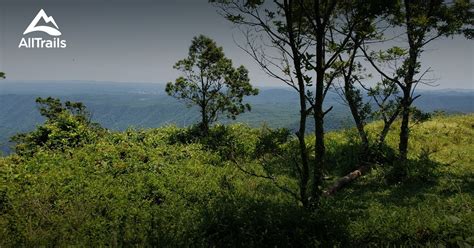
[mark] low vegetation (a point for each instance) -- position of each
(174, 187)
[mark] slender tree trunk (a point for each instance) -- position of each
(349, 92)
(320, 151)
(351, 98)
(304, 177)
(404, 128)
(304, 160)
(407, 100)
(407, 89)
(304, 174)
(386, 127)
(383, 135)
(203, 105)
(415, 43)
(204, 121)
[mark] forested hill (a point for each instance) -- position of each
(121, 105)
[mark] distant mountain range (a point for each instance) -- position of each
(143, 105)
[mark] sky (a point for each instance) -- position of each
(140, 40)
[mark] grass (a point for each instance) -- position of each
(137, 188)
(433, 205)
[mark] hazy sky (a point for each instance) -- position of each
(140, 40)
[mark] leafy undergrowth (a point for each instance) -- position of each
(159, 187)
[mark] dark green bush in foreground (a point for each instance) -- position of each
(168, 188)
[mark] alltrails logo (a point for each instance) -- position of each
(38, 42)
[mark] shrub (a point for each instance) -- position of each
(67, 125)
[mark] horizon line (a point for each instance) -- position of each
(281, 86)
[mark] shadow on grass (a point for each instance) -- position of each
(240, 222)
(390, 181)
(458, 183)
(345, 158)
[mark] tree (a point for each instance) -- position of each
(422, 22)
(360, 20)
(433, 21)
(211, 82)
(2, 75)
(425, 21)
(320, 16)
(367, 16)
(306, 44)
(326, 39)
(274, 38)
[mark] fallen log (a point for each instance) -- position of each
(347, 179)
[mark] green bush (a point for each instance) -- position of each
(227, 141)
(67, 125)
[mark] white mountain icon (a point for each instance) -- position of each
(47, 19)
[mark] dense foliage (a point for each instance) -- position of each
(211, 83)
(167, 187)
(67, 125)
